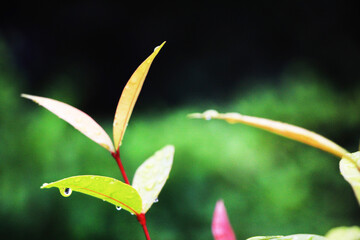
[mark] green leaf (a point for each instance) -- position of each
(350, 171)
(151, 176)
(341, 233)
(291, 237)
(105, 188)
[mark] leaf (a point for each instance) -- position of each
(129, 96)
(341, 233)
(265, 238)
(221, 227)
(151, 176)
(105, 188)
(78, 119)
(350, 172)
(291, 237)
(280, 128)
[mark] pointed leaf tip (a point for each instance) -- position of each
(158, 48)
(151, 176)
(78, 119)
(221, 227)
(129, 97)
(105, 188)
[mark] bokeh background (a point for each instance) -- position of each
(294, 61)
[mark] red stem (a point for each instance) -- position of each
(116, 155)
(141, 217)
(142, 220)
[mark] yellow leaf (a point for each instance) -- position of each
(280, 128)
(78, 119)
(129, 96)
(151, 176)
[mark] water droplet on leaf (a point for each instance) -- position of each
(66, 192)
(118, 208)
(150, 186)
(156, 200)
(210, 114)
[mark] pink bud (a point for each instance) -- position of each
(221, 227)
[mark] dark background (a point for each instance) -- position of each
(294, 61)
(211, 47)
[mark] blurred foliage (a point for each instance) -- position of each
(270, 185)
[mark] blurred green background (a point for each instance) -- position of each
(270, 185)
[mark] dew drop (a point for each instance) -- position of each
(44, 185)
(209, 114)
(149, 165)
(131, 213)
(118, 208)
(150, 186)
(156, 48)
(66, 192)
(156, 200)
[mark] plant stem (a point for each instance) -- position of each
(116, 156)
(141, 217)
(142, 220)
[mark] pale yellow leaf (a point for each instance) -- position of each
(341, 233)
(280, 128)
(78, 119)
(351, 173)
(151, 176)
(129, 96)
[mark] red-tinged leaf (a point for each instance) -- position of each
(78, 119)
(221, 227)
(129, 96)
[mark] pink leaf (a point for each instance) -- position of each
(221, 227)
